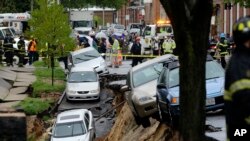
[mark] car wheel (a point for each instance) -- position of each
(145, 122)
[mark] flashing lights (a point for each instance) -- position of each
(160, 22)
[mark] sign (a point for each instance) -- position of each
(213, 20)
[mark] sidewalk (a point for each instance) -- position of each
(14, 83)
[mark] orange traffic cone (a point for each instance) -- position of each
(119, 57)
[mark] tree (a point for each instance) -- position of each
(87, 3)
(7, 6)
(191, 23)
(49, 24)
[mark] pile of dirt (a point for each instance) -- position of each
(125, 128)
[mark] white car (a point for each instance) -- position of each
(82, 84)
(89, 58)
(74, 125)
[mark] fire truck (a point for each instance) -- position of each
(152, 35)
(18, 21)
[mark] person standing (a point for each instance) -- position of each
(237, 84)
(21, 51)
(8, 49)
(136, 50)
(222, 45)
(115, 48)
(103, 47)
(32, 51)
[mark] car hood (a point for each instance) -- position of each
(148, 89)
(84, 137)
(86, 86)
(93, 63)
(83, 28)
(213, 87)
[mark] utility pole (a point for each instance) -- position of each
(31, 5)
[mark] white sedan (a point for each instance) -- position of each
(74, 125)
(82, 84)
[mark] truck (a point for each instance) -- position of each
(17, 21)
(152, 35)
(81, 20)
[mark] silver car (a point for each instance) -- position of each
(89, 58)
(74, 125)
(140, 90)
(82, 84)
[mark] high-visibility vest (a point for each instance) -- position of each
(168, 46)
(115, 45)
(32, 46)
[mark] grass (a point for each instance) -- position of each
(43, 84)
(33, 106)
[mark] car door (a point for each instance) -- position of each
(162, 90)
(88, 119)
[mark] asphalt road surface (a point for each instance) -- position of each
(217, 120)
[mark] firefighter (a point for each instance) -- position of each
(136, 50)
(8, 49)
(222, 45)
(237, 84)
(21, 51)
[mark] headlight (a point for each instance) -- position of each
(144, 98)
(175, 100)
(71, 92)
(94, 91)
(222, 91)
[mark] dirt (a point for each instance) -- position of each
(125, 128)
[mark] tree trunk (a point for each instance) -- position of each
(191, 23)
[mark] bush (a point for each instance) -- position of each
(33, 106)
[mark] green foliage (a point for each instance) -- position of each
(44, 86)
(7, 6)
(33, 106)
(49, 24)
(117, 4)
(243, 3)
(43, 82)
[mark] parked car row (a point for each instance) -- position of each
(84, 67)
(152, 88)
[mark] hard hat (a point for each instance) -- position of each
(241, 30)
(222, 35)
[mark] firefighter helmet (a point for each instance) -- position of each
(241, 30)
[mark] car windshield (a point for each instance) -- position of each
(119, 27)
(164, 29)
(85, 56)
(69, 129)
(146, 74)
(213, 70)
(7, 31)
(135, 26)
(82, 76)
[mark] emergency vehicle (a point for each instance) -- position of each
(153, 33)
(18, 21)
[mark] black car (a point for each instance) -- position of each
(167, 94)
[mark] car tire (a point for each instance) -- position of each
(145, 122)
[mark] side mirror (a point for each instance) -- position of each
(91, 128)
(161, 86)
(124, 88)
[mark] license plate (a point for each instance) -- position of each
(210, 101)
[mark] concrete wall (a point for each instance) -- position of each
(13, 127)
